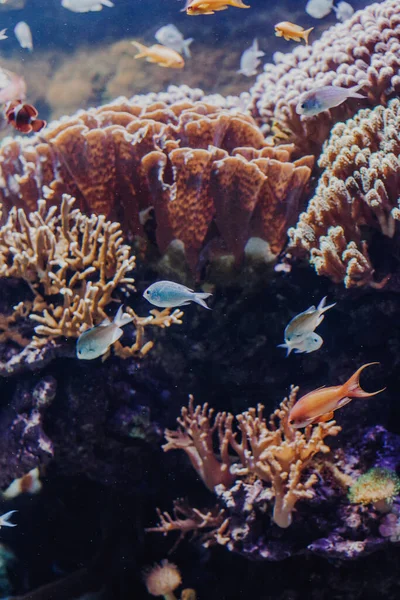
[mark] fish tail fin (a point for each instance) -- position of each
(4, 519)
(352, 387)
(353, 91)
(240, 4)
(306, 33)
(200, 299)
(122, 318)
(186, 49)
(321, 306)
(141, 48)
(287, 347)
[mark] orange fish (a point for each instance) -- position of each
(163, 56)
(290, 31)
(23, 117)
(209, 7)
(318, 406)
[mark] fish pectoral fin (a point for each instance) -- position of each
(323, 418)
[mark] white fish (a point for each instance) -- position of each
(96, 341)
(249, 60)
(343, 11)
(318, 9)
(170, 36)
(301, 327)
(83, 6)
(317, 100)
(3, 35)
(168, 294)
(24, 35)
(4, 522)
(27, 484)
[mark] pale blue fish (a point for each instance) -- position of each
(302, 325)
(167, 294)
(310, 343)
(323, 98)
(96, 341)
(4, 522)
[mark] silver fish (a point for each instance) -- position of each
(24, 35)
(167, 294)
(249, 60)
(83, 6)
(316, 101)
(96, 341)
(4, 522)
(170, 36)
(318, 9)
(343, 11)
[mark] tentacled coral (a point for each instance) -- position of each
(208, 173)
(275, 453)
(366, 48)
(73, 265)
(358, 191)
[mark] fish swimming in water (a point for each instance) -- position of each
(161, 55)
(250, 60)
(301, 326)
(3, 35)
(4, 522)
(84, 6)
(343, 11)
(316, 101)
(27, 484)
(318, 9)
(209, 7)
(24, 35)
(23, 117)
(96, 341)
(290, 31)
(319, 405)
(171, 37)
(167, 294)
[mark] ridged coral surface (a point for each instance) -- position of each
(359, 188)
(364, 48)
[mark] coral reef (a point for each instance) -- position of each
(357, 192)
(72, 265)
(209, 175)
(364, 48)
(273, 452)
(378, 487)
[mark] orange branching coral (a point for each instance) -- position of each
(364, 49)
(207, 173)
(358, 190)
(73, 265)
(275, 453)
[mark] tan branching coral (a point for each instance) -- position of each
(208, 173)
(366, 48)
(73, 264)
(357, 191)
(273, 452)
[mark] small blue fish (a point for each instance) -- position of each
(4, 522)
(96, 341)
(168, 294)
(328, 96)
(310, 343)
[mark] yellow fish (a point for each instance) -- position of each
(290, 31)
(319, 405)
(209, 7)
(163, 56)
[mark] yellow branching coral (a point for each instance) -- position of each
(274, 452)
(73, 264)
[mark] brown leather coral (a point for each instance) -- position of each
(207, 173)
(357, 194)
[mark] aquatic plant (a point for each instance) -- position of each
(357, 193)
(275, 453)
(364, 48)
(72, 265)
(208, 174)
(378, 487)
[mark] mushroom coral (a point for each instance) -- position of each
(273, 452)
(207, 173)
(357, 194)
(73, 265)
(366, 48)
